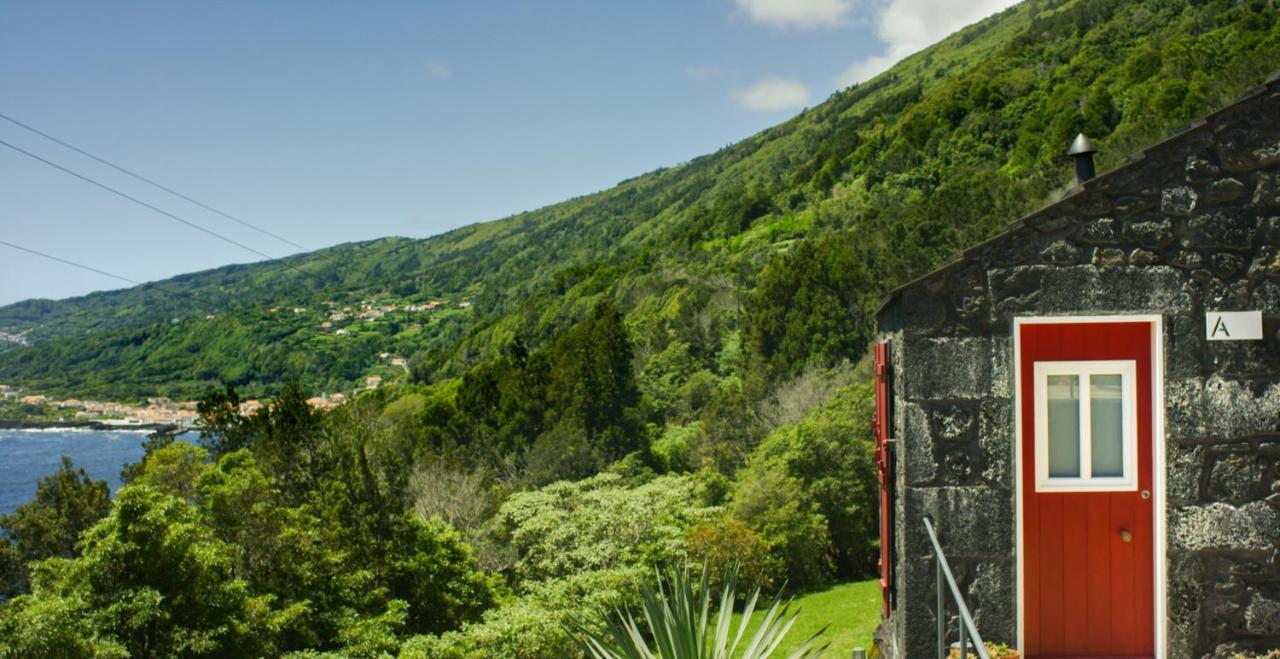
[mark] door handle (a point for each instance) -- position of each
(1125, 535)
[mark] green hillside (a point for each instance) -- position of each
(668, 373)
(931, 156)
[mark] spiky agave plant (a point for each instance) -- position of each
(676, 616)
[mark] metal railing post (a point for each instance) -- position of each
(941, 611)
(967, 628)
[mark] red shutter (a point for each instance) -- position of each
(880, 425)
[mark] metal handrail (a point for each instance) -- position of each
(966, 620)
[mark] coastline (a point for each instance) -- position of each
(33, 424)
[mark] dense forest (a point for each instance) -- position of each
(671, 371)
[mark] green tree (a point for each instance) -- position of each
(725, 544)
(504, 402)
(363, 492)
(731, 428)
(777, 507)
(287, 442)
(830, 456)
(595, 383)
(223, 428)
(431, 568)
(598, 523)
(53, 626)
(200, 558)
(153, 581)
(809, 489)
(67, 502)
(13, 571)
(806, 309)
(154, 442)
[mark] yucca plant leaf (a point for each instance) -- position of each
(765, 632)
(747, 610)
(782, 629)
(724, 617)
(810, 648)
(705, 651)
(677, 612)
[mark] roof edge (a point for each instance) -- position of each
(1132, 160)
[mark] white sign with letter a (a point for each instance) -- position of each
(1233, 325)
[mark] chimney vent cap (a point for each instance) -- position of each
(1081, 146)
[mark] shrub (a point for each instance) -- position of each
(724, 544)
(533, 626)
(671, 449)
(787, 518)
(598, 523)
(817, 473)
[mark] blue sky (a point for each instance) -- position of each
(328, 122)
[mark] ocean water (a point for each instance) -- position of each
(26, 456)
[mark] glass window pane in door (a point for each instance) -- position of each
(1064, 426)
(1106, 425)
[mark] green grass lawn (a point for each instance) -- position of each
(850, 611)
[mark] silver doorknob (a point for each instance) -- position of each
(1125, 535)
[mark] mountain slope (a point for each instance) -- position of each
(933, 155)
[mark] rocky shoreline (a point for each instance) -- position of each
(80, 424)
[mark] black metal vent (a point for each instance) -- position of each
(1082, 150)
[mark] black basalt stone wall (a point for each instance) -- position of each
(1190, 225)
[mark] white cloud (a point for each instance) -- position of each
(704, 72)
(772, 95)
(437, 70)
(797, 14)
(907, 26)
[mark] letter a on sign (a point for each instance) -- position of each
(1220, 329)
(1233, 325)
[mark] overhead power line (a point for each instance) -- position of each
(161, 211)
(151, 182)
(71, 263)
(104, 273)
(135, 200)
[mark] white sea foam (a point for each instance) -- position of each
(79, 431)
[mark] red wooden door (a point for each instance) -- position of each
(1087, 535)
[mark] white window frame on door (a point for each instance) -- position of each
(1127, 481)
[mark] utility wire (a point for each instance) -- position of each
(135, 200)
(92, 269)
(71, 263)
(152, 183)
(161, 211)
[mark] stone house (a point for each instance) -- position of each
(1096, 444)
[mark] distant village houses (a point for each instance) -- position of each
(159, 411)
(326, 401)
